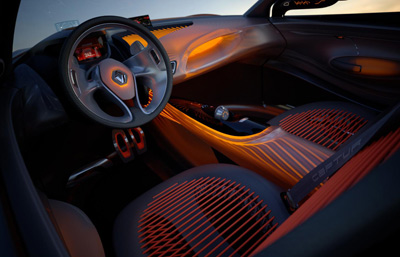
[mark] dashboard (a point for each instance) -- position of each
(195, 45)
(213, 41)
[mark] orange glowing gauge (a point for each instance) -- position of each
(273, 153)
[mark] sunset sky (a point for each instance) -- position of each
(37, 18)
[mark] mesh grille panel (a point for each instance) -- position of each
(327, 127)
(207, 217)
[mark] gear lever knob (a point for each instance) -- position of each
(221, 113)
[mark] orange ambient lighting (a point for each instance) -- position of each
(159, 33)
(273, 153)
(206, 47)
(204, 52)
(150, 93)
(118, 78)
(377, 67)
(133, 38)
(110, 74)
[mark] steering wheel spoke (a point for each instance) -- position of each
(150, 70)
(79, 79)
(147, 62)
(126, 115)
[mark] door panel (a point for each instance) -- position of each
(348, 55)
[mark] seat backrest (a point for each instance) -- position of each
(76, 230)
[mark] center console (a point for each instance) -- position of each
(198, 134)
(237, 120)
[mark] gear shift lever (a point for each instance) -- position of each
(221, 113)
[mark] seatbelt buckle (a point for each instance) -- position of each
(287, 199)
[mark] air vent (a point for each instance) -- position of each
(326, 127)
(206, 216)
(173, 66)
(155, 56)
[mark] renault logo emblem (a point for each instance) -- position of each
(119, 77)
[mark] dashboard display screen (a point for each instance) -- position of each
(90, 49)
(144, 20)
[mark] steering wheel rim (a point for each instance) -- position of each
(118, 80)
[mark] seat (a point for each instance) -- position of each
(202, 210)
(221, 209)
(76, 230)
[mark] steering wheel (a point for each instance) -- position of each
(115, 91)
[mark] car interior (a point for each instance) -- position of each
(190, 136)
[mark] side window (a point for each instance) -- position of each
(346, 7)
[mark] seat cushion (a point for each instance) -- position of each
(329, 124)
(215, 209)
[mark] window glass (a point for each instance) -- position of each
(352, 7)
(38, 19)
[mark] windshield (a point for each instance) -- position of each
(37, 19)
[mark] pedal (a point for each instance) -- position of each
(138, 139)
(122, 145)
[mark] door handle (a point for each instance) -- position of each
(346, 66)
(368, 66)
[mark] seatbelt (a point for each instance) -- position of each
(327, 168)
